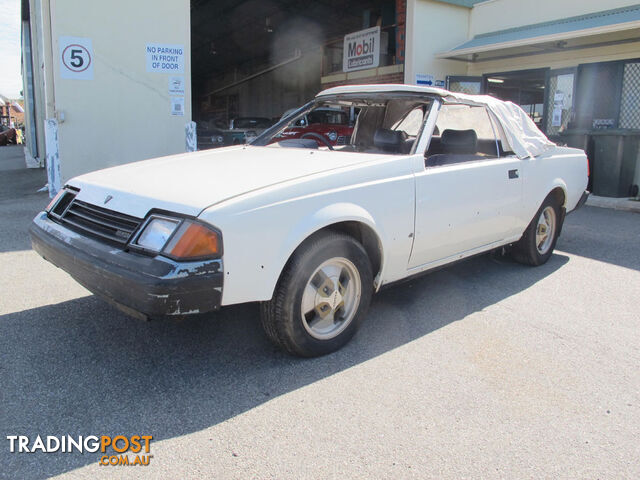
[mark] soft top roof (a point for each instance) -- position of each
(517, 130)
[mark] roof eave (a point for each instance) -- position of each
(541, 39)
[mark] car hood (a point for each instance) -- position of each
(189, 183)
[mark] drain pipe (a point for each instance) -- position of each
(297, 55)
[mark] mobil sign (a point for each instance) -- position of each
(361, 50)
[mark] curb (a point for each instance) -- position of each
(624, 204)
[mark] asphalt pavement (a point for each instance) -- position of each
(487, 369)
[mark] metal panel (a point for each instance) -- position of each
(630, 100)
(464, 84)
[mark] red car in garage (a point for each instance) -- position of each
(8, 135)
(325, 125)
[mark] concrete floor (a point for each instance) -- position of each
(488, 369)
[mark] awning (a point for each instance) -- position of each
(610, 27)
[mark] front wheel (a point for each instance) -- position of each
(539, 239)
(321, 297)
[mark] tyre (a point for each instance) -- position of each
(539, 239)
(322, 296)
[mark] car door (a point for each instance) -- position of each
(469, 193)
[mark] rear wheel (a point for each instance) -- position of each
(539, 239)
(321, 297)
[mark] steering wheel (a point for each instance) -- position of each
(317, 136)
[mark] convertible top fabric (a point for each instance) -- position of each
(516, 130)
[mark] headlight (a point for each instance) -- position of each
(220, 139)
(157, 232)
(333, 135)
(179, 239)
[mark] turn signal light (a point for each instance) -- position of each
(193, 240)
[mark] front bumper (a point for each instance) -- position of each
(140, 285)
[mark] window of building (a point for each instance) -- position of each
(559, 102)
(630, 99)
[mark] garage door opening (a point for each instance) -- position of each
(525, 88)
(252, 61)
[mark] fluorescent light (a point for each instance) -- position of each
(495, 80)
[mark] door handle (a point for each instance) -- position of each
(514, 173)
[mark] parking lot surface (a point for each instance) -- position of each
(487, 369)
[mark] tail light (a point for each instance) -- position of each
(588, 168)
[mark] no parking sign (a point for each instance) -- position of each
(165, 58)
(76, 58)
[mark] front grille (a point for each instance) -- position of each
(97, 222)
(342, 140)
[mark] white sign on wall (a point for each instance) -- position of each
(176, 85)
(424, 79)
(177, 106)
(163, 58)
(361, 50)
(76, 58)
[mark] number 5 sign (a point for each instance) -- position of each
(76, 58)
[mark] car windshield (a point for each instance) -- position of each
(374, 123)
(251, 123)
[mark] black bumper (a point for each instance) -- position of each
(140, 285)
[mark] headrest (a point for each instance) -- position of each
(459, 141)
(389, 139)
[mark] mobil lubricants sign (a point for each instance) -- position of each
(361, 50)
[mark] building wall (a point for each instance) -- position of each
(123, 114)
(434, 27)
(494, 15)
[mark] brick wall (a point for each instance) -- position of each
(401, 16)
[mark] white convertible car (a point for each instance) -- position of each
(312, 230)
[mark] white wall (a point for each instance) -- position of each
(434, 27)
(496, 15)
(123, 114)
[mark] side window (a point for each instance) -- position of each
(462, 134)
(411, 123)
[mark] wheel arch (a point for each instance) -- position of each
(350, 219)
(559, 191)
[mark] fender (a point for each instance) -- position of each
(555, 183)
(542, 193)
(326, 216)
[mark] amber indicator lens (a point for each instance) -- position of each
(193, 240)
